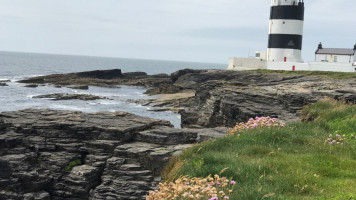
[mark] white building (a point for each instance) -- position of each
(335, 55)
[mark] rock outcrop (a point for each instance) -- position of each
(64, 96)
(213, 98)
(49, 154)
(104, 78)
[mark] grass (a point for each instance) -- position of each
(293, 162)
(322, 74)
(73, 164)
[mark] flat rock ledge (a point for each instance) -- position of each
(118, 155)
(65, 96)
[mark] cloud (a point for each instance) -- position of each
(192, 30)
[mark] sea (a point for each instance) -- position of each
(16, 66)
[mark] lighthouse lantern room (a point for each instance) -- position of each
(285, 31)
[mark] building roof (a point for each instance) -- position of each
(335, 51)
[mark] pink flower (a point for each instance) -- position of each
(226, 197)
(214, 198)
(233, 182)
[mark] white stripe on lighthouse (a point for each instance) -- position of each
(282, 26)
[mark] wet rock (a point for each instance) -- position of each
(63, 96)
(31, 85)
(80, 87)
(101, 74)
(3, 84)
(38, 80)
(103, 78)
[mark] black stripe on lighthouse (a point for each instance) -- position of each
(287, 12)
(285, 41)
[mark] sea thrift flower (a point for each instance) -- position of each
(233, 182)
(256, 123)
(198, 188)
(337, 139)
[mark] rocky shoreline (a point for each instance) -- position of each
(120, 155)
(50, 154)
(214, 98)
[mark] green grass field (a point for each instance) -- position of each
(322, 74)
(291, 162)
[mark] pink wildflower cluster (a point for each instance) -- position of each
(217, 188)
(336, 139)
(255, 123)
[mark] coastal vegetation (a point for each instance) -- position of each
(73, 164)
(311, 159)
(321, 74)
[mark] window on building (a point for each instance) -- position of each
(258, 55)
(335, 58)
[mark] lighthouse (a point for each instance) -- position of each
(285, 31)
(285, 45)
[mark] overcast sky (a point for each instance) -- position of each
(186, 30)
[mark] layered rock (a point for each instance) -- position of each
(213, 98)
(250, 94)
(50, 154)
(65, 96)
(104, 78)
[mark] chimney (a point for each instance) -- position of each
(355, 47)
(320, 46)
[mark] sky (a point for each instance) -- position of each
(182, 30)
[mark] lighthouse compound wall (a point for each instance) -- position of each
(242, 64)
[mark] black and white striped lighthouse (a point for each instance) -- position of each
(286, 31)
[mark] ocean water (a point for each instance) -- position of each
(18, 66)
